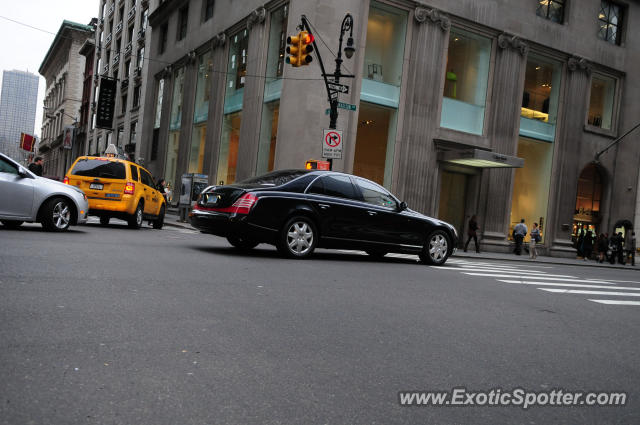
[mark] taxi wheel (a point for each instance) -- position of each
(104, 220)
(159, 222)
(57, 215)
(135, 221)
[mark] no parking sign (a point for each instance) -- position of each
(332, 144)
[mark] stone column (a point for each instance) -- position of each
(502, 130)
(216, 105)
(416, 150)
(253, 95)
(566, 170)
(186, 123)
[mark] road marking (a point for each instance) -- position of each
(620, 281)
(543, 277)
(616, 302)
(576, 285)
(580, 291)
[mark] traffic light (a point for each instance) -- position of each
(314, 164)
(306, 47)
(299, 48)
(293, 49)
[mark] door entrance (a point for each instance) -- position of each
(453, 190)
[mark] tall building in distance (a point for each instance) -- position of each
(18, 104)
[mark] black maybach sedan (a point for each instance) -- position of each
(300, 210)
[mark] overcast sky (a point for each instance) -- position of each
(23, 48)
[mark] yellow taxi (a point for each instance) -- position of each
(118, 188)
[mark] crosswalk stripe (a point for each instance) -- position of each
(616, 302)
(581, 291)
(576, 285)
(521, 276)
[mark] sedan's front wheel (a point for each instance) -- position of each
(436, 250)
(298, 238)
(56, 216)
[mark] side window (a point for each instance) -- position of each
(317, 187)
(134, 172)
(6, 167)
(375, 195)
(146, 178)
(338, 186)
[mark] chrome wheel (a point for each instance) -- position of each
(438, 248)
(300, 238)
(61, 215)
(139, 217)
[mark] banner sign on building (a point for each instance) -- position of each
(68, 136)
(106, 103)
(27, 142)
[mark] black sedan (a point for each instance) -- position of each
(300, 210)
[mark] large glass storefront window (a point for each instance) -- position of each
(201, 113)
(601, 101)
(539, 110)
(465, 85)
(380, 94)
(531, 184)
(272, 90)
(234, 90)
(175, 118)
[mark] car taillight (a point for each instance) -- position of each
(129, 188)
(244, 204)
(65, 180)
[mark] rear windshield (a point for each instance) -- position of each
(274, 178)
(99, 168)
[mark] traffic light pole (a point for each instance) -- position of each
(332, 95)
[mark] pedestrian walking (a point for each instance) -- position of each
(602, 245)
(519, 232)
(472, 233)
(587, 245)
(535, 238)
(164, 190)
(36, 166)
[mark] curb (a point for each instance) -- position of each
(540, 260)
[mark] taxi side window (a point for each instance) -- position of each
(146, 178)
(134, 172)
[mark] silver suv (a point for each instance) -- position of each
(27, 197)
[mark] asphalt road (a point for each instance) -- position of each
(115, 326)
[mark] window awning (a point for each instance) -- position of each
(481, 159)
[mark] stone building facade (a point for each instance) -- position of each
(63, 68)
(495, 108)
(121, 40)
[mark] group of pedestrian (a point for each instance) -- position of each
(520, 231)
(615, 248)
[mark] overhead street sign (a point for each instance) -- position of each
(332, 144)
(338, 87)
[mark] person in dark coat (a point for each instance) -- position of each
(602, 245)
(587, 245)
(619, 250)
(36, 166)
(473, 233)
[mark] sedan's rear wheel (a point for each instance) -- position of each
(242, 244)
(298, 238)
(56, 215)
(436, 250)
(12, 224)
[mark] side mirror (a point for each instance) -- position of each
(22, 172)
(402, 206)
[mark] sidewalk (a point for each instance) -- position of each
(524, 258)
(172, 218)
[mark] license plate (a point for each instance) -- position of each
(97, 186)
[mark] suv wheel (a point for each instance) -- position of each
(135, 221)
(159, 222)
(298, 238)
(56, 215)
(436, 250)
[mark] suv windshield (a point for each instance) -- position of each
(99, 168)
(274, 178)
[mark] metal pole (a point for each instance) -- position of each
(615, 142)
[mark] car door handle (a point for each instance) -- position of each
(372, 213)
(324, 206)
